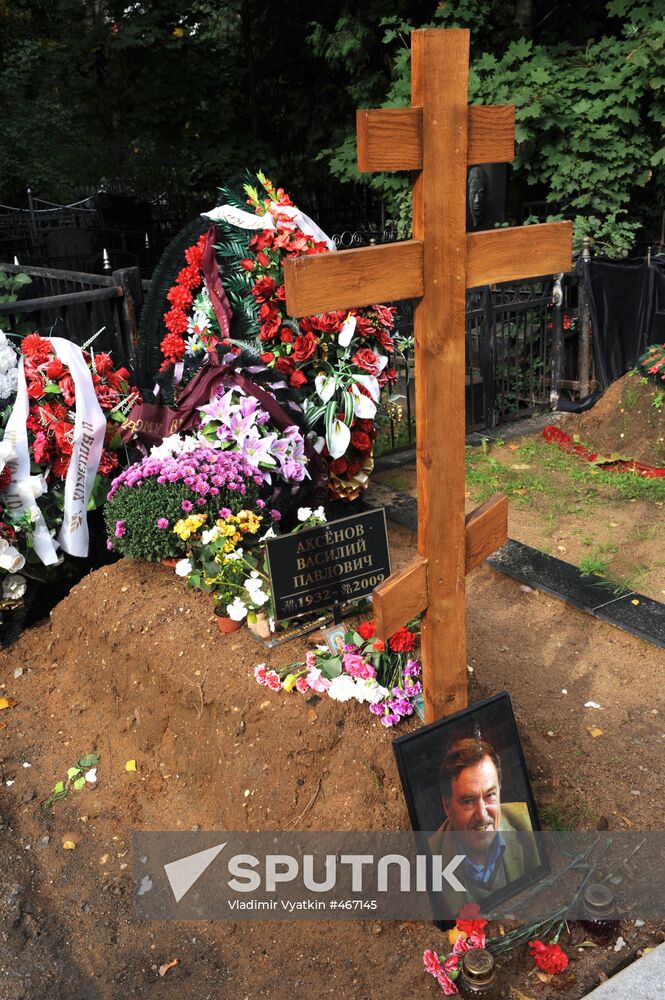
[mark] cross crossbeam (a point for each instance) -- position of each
(438, 136)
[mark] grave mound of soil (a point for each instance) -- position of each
(628, 420)
(131, 666)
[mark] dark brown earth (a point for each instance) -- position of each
(131, 666)
(629, 419)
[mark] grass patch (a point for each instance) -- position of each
(540, 468)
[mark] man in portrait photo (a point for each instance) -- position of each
(492, 835)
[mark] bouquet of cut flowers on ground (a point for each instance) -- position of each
(193, 488)
(469, 932)
(386, 676)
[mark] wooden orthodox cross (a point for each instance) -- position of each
(437, 137)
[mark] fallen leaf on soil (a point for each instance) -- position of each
(70, 840)
(7, 703)
(627, 821)
(563, 984)
(520, 492)
(163, 969)
(72, 772)
(595, 731)
(130, 765)
(79, 783)
(3, 725)
(517, 995)
(587, 944)
(545, 977)
(90, 760)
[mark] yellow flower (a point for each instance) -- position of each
(289, 682)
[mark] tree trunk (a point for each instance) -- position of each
(524, 17)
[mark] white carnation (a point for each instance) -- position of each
(10, 558)
(342, 688)
(14, 587)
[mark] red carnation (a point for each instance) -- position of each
(379, 646)
(60, 466)
(173, 347)
(305, 347)
(179, 297)
(366, 629)
(189, 277)
(297, 380)
(548, 957)
(175, 321)
(36, 347)
(403, 641)
(470, 920)
(367, 360)
(361, 441)
(194, 256)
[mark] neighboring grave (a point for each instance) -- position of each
(437, 138)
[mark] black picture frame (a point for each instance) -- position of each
(419, 755)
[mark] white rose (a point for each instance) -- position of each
(14, 587)
(183, 567)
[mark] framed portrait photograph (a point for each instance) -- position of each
(468, 794)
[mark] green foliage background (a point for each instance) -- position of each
(185, 96)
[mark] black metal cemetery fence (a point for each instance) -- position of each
(522, 352)
(75, 306)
